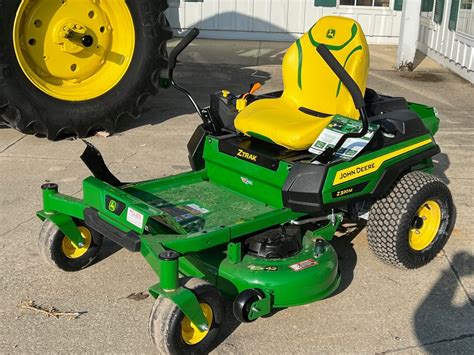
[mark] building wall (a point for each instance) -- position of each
(276, 20)
(453, 49)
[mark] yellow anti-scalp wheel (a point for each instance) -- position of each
(174, 333)
(57, 249)
(72, 66)
(409, 227)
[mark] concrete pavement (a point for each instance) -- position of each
(377, 309)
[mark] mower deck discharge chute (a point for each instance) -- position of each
(273, 177)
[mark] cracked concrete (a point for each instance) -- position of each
(378, 309)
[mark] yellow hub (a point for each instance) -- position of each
(426, 225)
(71, 251)
(190, 333)
(74, 50)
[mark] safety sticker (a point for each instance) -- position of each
(135, 217)
(303, 265)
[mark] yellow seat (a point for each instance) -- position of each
(312, 92)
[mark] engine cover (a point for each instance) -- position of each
(276, 243)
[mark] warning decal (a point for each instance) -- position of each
(303, 265)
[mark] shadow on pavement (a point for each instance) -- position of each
(108, 249)
(201, 80)
(346, 254)
(441, 162)
(228, 326)
(440, 319)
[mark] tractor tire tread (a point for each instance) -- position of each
(390, 215)
(58, 121)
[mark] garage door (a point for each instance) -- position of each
(280, 19)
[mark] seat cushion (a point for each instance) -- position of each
(311, 84)
(280, 121)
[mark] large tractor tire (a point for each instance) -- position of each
(71, 67)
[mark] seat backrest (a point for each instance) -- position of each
(308, 80)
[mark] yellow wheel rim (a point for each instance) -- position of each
(74, 50)
(426, 225)
(190, 333)
(71, 251)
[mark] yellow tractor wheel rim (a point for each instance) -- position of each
(71, 251)
(190, 333)
(426, 225)
(74, 50)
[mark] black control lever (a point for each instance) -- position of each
(357, 97)
(185, 42)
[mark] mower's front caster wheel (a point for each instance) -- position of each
(243, 303)
(173, 333)
(58, 250)
(409, 227)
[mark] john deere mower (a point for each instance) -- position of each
(273, 177)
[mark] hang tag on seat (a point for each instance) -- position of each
(337, 127)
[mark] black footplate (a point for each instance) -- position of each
(130, 241)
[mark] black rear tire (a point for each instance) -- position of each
(392, 217)
(26, 108)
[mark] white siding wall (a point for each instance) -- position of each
(275, 19)
(450, 48)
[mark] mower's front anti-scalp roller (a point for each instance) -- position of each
(270, 186)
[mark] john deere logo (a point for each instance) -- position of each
(112, 205)
(331, 33)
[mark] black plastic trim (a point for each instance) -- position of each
(230, 147)
(94, 161)
(196, 148)
(130, 241)
(392, 173)
(349, 190)
(302, 191)
(389, 176)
